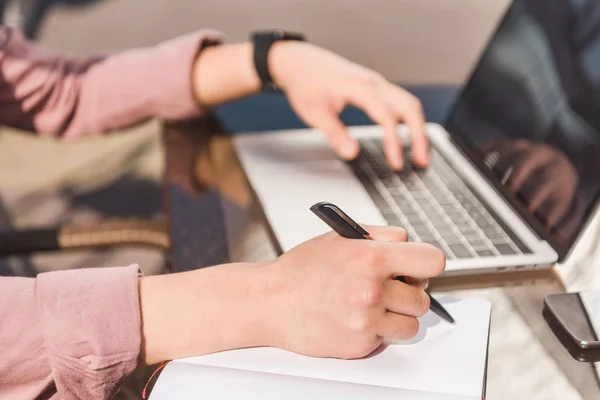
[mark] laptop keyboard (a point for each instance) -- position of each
(434, 206)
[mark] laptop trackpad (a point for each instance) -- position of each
(287, 191)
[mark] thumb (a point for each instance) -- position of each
(345, 146)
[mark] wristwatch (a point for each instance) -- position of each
(263, 40)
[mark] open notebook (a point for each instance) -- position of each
(442, 362)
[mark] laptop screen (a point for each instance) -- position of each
(530, 114)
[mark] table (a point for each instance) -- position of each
(214, 219)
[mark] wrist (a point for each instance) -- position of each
(224, 73)
(281, 61)
(264, 44)
(241, 293)
(205, 311)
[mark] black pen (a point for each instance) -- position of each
(341, 223)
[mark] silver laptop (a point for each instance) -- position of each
(514, 175)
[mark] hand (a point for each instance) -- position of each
(320, 84)
(541, 173)
(328, 297)
(335, 297)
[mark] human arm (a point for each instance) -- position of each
(319, 85)
(78, 334)
(328, 297)
(68, 334)
(59, 96)
(56, 95)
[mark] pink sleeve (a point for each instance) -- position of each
(69, 334)
(55, 95)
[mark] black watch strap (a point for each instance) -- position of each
(262, 45)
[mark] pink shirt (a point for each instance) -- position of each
(77, 334)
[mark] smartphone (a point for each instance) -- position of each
(578, 353)
(578, 314)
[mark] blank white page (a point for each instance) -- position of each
(181, 381)
(442, 358)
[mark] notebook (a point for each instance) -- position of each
(443, 361)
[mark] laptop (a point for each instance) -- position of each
(513, 179)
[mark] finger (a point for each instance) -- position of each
(400, 298)
(559, 210)
(509, 157)
(418, 283)
(396, 326)
(344, 145)
(379, 112)
(522, 144)
(523, 170)
(417, 260)
(540, 196)
(562, 199)
(386, 233)
(393, 148)
(409, 109)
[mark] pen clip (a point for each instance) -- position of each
(319, 207)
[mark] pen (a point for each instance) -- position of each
(341, 223)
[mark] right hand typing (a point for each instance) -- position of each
(336, 297)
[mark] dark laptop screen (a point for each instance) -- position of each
(530, 114)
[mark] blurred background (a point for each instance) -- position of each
(410, 41)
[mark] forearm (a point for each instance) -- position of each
(224, 73)
(69, 334)
(56, 95)
(204, 311)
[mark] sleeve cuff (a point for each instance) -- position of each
(91, 327)
(172, 83)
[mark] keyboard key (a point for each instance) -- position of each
(460, 251)
(448, 207)
(523, 247)
(432, 242)
(445, 201)
(463, 226)
(446, 230)
(415, 220)
(437, 221)
(410, 214)
(473, 237)
(482, 222)
(426, 236)
(478, 244)
(451, 239)
(497, 238)
(422, 231)
(410, 185)
(393, 220)
(484, 253)
(505, 249)
(471, 232)
(419, 195)
(430, 211)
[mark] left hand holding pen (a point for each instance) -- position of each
(320, 84)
